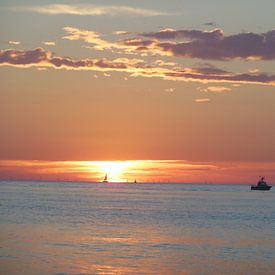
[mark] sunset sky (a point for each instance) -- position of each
(182, 90)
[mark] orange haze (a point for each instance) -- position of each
(141, 170)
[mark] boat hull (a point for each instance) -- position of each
(261, 188)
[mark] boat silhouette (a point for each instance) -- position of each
(105, 179)
(261, 185)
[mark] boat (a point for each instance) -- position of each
(261, 185)
(105, 179)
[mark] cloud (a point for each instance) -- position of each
(169, 90)
(25, 58)
(202, 100)
(95, 41)
(48, 43)
(209, 69)
(210, 24)
(90, 10)
(215, 89)
(121, 32)
(41, 58)
(41, 69)
(185, 34)
(254, 71)
(90, 37)
(213, 44)
(14, 42)
(137, 42)
(226, 77)
(133, 61)
(207, 45)
(163, 63)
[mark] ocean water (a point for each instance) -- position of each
(96, 228)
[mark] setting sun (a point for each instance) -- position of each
(116, 170)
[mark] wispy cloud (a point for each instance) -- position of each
(90, 37)
(169, 90)
(14, 42)
(160, 62)
(95, 40)
(121, 32)
(202, 100)
(215, 89)
(48, 43)
(41, 58)
(90, 10)
(210, 24)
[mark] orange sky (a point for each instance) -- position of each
(150, 82)
(140, 170)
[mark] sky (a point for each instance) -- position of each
(171, 84)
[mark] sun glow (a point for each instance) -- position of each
(140, 170)
(116, 170)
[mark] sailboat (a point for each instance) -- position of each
(105, 178)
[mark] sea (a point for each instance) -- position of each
(62, 228)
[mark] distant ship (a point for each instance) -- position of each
(105, 179)
(261, 185)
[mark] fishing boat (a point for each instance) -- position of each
(261, 185)
(105, 179)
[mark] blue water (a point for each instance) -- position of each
(96, 228)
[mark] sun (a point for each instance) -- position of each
(116, 170)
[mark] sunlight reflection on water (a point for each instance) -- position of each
(74, 228)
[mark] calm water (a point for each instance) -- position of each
(88, 228)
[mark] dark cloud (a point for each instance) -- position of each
(206, 45)
(17, 57)
(185, 34)
(210, 24)
(204, 74)
(41, 58)
(104, 63)
(214, 45)
(137, 42)
(210, 70)
(67, 62)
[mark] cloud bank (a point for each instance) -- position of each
(213, 44)
(136, 67)
(205, 45)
